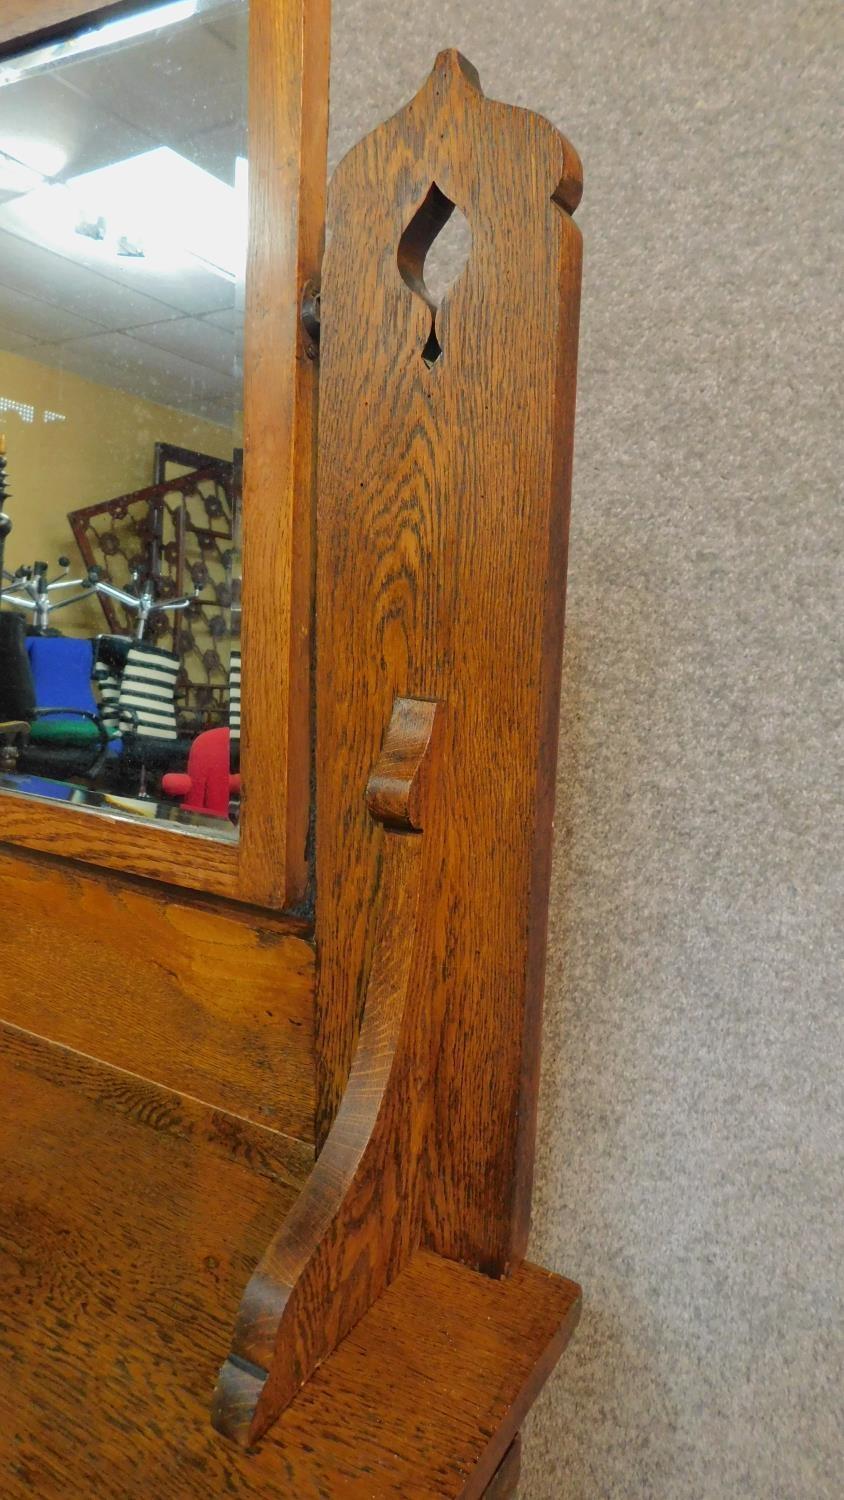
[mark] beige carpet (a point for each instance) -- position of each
(689, 1171)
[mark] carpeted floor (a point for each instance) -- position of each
(689, 1169)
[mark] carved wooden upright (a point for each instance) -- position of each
(444, 475)
(442, 525)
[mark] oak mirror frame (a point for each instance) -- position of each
(267, 865)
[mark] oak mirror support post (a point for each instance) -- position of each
(161, 209)
(475, 506)
(441, 552)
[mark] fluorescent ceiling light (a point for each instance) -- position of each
(156, 209)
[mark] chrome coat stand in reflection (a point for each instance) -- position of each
(144, 603)
(5, 521)
(32, 591)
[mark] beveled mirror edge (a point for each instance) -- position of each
(288, 126)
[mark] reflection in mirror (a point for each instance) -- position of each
(123, 167)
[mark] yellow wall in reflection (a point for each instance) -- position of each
(73, 444)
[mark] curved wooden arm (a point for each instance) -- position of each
(357, 1221)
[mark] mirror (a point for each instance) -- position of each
(123, 228)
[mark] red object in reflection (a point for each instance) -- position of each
(208, 784)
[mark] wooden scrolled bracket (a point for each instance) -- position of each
(357, 1220)
(397, 790)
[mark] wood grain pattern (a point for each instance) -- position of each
(91, 837)
(216, 1004)
(131, 1216)
(442, 524)
(127, 1227)
(267, 1153)
(430, 1388)
(288, 123)
(404, 1410)
(357, 1221)
(397, 790)
(288, 132)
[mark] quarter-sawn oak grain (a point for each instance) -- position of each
(214, 1003)
(443, 499)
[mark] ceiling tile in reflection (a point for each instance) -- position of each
(20, 314)
(143, 370)
(193, 338)
(41, 273)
